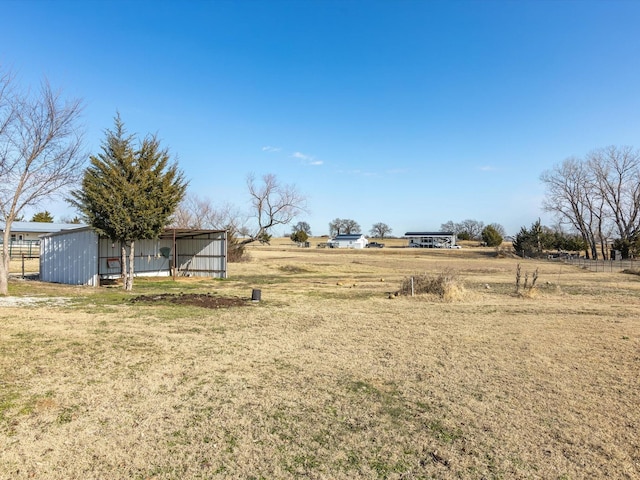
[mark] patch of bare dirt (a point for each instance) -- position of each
(29, 301)
(203, 300)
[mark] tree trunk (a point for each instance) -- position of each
(603, 249)
(130, 272)
(4, 270)
(4, 261)
(123, 264)
(127, 266)
(594, 248)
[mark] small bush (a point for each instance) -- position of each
(236, 251)
(445, 285)
(491, 236)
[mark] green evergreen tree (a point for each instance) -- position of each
(299, 236)
(44, 217)
(629, 248)
(524, 243)
(533, 241)
(129, 192)
(491, 236)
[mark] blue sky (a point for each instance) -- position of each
(411, 113)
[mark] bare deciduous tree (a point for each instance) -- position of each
(498, 228)
(379, 230)
(335, 226)
(473, 228)
(470, 229)
(350, 226)
(201, 213)
(40, 154)
(302, 227)
(617, 179)
(272, 204)
(598, 196)
(450, 226)
(345, 226)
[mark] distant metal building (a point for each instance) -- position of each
(431, 239)
(82, 257)
(356, 240)
(31, 231)
(25, 236)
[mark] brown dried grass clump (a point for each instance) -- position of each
(445, 285)
(528, 290)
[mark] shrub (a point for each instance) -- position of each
(491, 236)
(445, 285)
(299, 236)
(235, 250)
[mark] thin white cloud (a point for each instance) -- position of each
(271, 149)
(359, 173)
(486, 168)
(307, 159)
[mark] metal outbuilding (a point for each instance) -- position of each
(431, 239)
(82, 257)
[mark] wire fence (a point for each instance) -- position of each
(19, 248)
(605, 265)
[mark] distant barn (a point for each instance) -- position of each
(82, 257)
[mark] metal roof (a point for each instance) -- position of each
(347, 236)
(167, 234)
(40, 227)
(428, 234)
(187, 232)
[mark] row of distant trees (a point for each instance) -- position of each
(301, 231)
(538, 239)
(46, 217)
(346, 226)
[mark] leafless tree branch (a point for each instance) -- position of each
(40, 151)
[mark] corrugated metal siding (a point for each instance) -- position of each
(70, 258)
(203, 257)
(148, 259)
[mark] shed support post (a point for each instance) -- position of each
(175, 266)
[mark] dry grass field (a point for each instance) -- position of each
(329, 376)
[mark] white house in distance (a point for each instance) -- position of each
(431, 239)
(354, 240)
